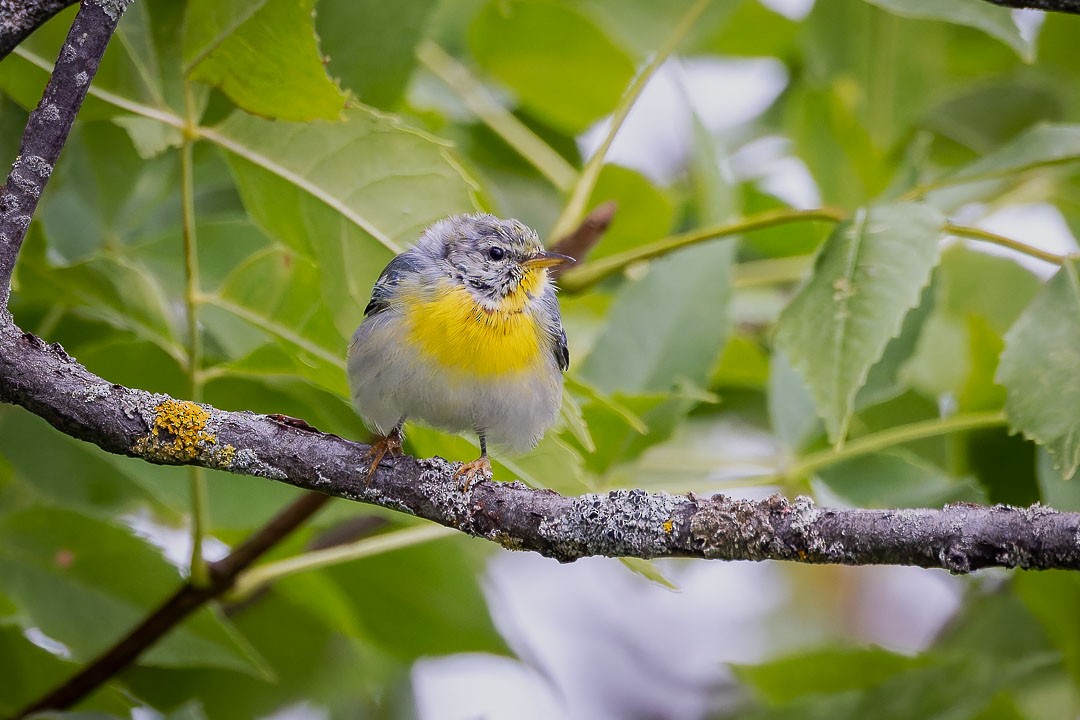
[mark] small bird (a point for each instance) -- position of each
(463, 333)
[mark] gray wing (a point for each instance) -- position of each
(552, 320)
(381, 295)
(562, 351)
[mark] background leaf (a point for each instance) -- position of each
(264, 55)
(1042, 352)
(868, 276)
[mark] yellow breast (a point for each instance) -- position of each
(452, 329)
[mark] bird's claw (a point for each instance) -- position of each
(383, 446)
(468, 471)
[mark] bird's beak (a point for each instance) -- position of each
(545, 258)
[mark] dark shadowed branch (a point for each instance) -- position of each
(1061, 6)
(49, 124)
(19, 18)
(177, 607)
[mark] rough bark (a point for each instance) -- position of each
(49, 124)
(161, 429)
(19, 18)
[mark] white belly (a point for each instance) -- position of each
(390, 381)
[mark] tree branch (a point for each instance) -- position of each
(49, 124)
(160, 429)
(19, 18)
(176, 608)
(1061, 6)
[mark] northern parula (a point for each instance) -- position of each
(463, 333)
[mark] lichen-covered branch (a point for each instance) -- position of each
(1061, 6)
(49, 124)
(19, 18)
(161, 429)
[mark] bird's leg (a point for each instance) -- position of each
(480, 466)
(383, 445)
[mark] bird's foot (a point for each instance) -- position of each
(468, 471)
(382, 446)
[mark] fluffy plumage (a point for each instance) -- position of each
(463, 333)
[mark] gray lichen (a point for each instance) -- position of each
(247, 462)
(623, 522)
(49, 112)
(93, 393)
(447, 497)
(113, 8)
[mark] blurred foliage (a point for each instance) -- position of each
(321, 146)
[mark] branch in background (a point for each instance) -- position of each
(186, 600)
(632, 523)
(49, 124)
(20, 18)
(1061, 6)
(580, 243)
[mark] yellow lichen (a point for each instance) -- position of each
(177, 433)
(669, 526)
(225, 455)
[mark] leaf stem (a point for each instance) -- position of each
(589, 274)
(575, 205)
(987, 236)
(200, 510)
(501, 121)
(920, 191)
(894, 436)
(258, 576)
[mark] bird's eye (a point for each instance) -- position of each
(496, 252)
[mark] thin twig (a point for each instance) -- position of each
(990, 237)
(579, 196)
(581, 278)
(580, 243)
(49, 124)
(186, 600)
(501, 121)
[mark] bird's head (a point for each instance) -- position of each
(494, 259)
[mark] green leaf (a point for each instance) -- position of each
(1039, 146)
(869, 275)
(618, 443)
(85, 582)
(30, 671)
(895, 479)
(792, 413)
(538, 49)
(644, 213)
(1054, 490)
(424, 600)
(1039, 369)
(53, 468)
(990, 114)
(996, 22)
(648, 570)
(829, 670)
(1052, 597)
(122, 294)
(273, 292)
(886, 380)
(264, 55)
(371, 44)
(349, 195)
(667, 327)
